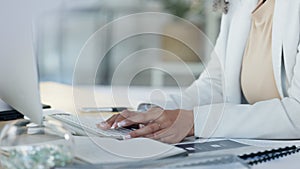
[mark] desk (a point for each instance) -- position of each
(60, 96)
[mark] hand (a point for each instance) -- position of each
(170, 126)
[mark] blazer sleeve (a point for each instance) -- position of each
(272, 119)
(207, 89)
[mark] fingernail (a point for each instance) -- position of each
(128, 136)
(121, 124)
(141, 126)
(114, 125)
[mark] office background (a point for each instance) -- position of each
(61, 32)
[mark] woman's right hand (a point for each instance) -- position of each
(170, 126)
(112, 122)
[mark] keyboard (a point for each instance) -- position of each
(87, 125)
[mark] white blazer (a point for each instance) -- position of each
(216, 96)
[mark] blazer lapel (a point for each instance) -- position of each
(280, 11)
(237, 39)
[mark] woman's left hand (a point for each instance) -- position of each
(169, 126)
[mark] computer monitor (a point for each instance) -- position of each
(18, 67)
(19, 84)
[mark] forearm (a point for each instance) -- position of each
(267, 119)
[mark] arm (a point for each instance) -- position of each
(266, 119)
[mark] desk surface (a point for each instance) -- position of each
(61, 97)
(64, 97)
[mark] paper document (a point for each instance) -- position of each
(219, 145)
(106, 150)
(268, 143)
(212, 162)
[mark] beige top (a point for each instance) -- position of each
(257, 76)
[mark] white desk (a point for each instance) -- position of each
(61, 97)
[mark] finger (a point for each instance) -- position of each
(128, 113)
(123, 115)
(142, 118)
(128, 122)
(112, 118)
(150, 128)
(162, 133)
(108, 123)
(149, 136)
(139, 118)
(123, 120)
(154, 114)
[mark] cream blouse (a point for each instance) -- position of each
(257, 76)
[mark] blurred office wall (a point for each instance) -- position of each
(61, 34)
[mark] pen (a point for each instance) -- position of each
(103, 109)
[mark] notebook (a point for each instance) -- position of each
(289, 162)
(269, 155)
